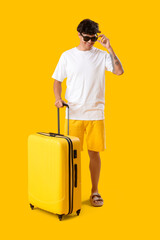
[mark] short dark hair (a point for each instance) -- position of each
(88, 26)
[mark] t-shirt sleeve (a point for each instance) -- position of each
(108, 63)
(60, 70)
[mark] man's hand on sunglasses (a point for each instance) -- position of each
(104, 41)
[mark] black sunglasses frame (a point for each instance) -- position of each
(86, 38)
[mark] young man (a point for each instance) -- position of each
(84, 66)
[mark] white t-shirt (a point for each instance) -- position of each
(85, 73)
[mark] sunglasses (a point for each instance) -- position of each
(86, 38)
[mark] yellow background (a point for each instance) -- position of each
(33, 36)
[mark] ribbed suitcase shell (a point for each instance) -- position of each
(54, 173)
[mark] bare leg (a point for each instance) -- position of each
(95, 166)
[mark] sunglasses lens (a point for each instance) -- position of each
(86, 39)
(94, 39)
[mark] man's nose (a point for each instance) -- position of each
(90, 41)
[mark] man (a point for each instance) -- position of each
(84, 66)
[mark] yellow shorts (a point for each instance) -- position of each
(94, 130)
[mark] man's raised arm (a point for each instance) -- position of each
(117, 66)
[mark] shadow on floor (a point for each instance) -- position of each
(86, 202)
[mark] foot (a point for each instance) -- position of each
(96, 200)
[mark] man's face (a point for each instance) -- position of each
(86, 44)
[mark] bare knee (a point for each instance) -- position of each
(93, 154)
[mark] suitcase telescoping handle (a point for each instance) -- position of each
(64, 104)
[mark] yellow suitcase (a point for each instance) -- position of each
(54, 172)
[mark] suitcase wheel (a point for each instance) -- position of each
(31, 206)
(78, 211)
(60, 217)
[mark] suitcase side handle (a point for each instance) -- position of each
(58, 113)
(75, 169)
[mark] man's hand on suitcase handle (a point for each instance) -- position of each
(59, 103)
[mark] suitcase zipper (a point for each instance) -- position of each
(71, 159)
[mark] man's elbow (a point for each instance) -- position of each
(119, 72)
